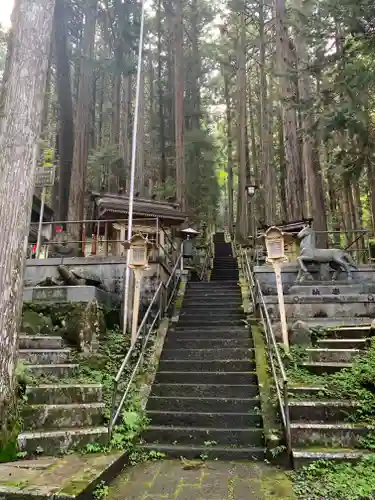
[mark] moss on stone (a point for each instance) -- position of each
(74, 487)
(81, 324)
(277, 485)
(272, 430)
(34, 322)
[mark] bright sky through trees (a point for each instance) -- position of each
(5, 12)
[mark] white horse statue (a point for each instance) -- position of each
(338, 259)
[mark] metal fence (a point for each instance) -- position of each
(160, 306)
(98, 237)
(273, 352)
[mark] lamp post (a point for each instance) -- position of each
(139, 251)
(188, 233)
(251, 189)
(275, 254)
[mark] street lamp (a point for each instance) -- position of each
(251, 189)
(274, 237)
(188, 234)
(139, 251)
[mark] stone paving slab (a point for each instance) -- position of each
(211, 480)
(50, 477)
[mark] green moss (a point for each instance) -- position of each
(277, 485)
(15, 484)
(74, 488)
(272, 430)
(80, 324)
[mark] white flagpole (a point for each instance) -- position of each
(132, 169)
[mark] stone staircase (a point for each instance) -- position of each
(60, 416)
(205, 399)
(321, 426)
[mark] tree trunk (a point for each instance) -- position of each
(294, 191)
(264, 126)
(283, 200)
(140, 158)
(19, 150)
(314, 192)
(125, 126)
(64, 94)
(8, 59)
(242, 222)
(163, 160)
(80, 155)
(179, 105)
(225, 69)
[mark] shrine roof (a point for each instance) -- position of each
(112, 205)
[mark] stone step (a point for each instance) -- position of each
(208, 354)
(212, 452)
(215, 405)
(219, 295)
(63, 416)
(204, 390)
(200, 419)
(342, 434)
(213, 303)
(55, 370)
(353, 332)
(231, 378)
(204, 436)
(333, 355)
(224, 264)
(220, 332)
(321, 299)
(40, 342)
(214, 307)
(64, 394)
(320, 367)
(321, 411)
(210, 315)
(176, 342)
(298, 391)
(345, 324)
(224, 275)
(211, 322)
(207, 285)
(301, 311)
(44, 356)
(221, 276)
(60, 441)
(233, 365)
(326, 343)
(329, 288)
(306, 456)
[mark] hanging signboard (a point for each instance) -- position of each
(45, 176)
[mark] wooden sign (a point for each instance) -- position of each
(45, 176)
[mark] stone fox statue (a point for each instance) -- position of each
(338, 259)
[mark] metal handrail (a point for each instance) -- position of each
(164, 303)
(272, 347)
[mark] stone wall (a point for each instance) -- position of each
(111, 271)
(266, 276)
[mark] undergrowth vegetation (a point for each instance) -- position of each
(329, 480)
(336, 481)
(101, 368)
(356, 383)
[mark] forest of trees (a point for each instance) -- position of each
(274, 93)
(280, 94)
